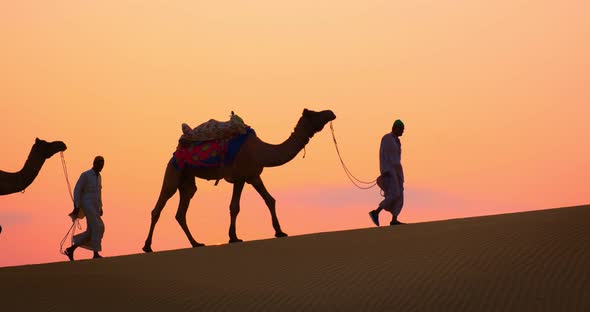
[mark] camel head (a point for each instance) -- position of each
(48, 149)
(317, 120)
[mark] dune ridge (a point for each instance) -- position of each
(537, 260)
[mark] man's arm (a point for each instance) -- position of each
(385, 161)
(99, 190)
(79, 189)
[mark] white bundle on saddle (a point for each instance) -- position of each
(214, 129)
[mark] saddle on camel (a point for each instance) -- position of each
(242, 158)
(211, 144)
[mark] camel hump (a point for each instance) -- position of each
(214, 129)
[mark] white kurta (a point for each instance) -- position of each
(390, 165)
(88, 197)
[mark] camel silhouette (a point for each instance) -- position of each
(12, 182)
(253, 156)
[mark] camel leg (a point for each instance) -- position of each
(169, 186)
(234, 209)
(187, 190)
(270, 202)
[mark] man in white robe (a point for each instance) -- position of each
(392, 174)
(88, 200)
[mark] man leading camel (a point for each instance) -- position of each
(392, 173)
(88, 199)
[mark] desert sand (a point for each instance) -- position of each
(527, 261)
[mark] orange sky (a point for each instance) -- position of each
(494, 97)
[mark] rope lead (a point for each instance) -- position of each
(75, 223)
(351, 177)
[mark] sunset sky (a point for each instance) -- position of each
(494, 96)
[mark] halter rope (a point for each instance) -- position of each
(75, 222)
(358, 183)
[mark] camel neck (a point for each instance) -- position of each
(13, 182)
(30, 169)
(279, 154)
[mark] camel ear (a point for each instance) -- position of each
(305, 112)
(37, 140)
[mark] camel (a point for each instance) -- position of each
(253, 156)
(12, 182)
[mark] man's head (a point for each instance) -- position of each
(398, 128)
(98, 163)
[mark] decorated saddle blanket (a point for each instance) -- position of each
(214, 129)
(210, 153)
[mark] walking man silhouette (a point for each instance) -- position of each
(392, 174)
(88, 201)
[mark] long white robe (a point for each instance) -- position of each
(390, 166)
(88, 196)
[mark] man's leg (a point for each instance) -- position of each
(397, 209)
(70, 252)
(93, 234)
(374, 215)
(78, 240)
(385, 203)
(96, 236)
(393, 191)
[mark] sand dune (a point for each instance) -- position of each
(531, 261)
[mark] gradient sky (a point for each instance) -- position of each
(494, 96)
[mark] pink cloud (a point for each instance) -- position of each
(13, 217)
(421, 204)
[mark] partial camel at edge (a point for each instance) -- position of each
(13, 182)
